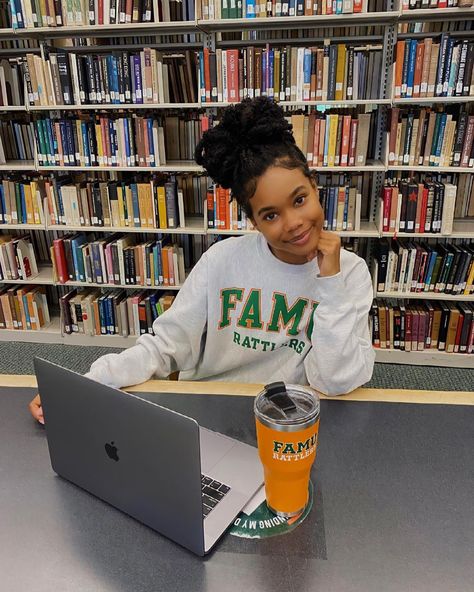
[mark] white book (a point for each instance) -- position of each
(449, 203)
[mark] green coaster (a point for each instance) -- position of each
(263, 523)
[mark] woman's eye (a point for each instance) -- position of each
(300, 200)
(270, 217)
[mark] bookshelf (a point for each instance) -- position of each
(209, 34)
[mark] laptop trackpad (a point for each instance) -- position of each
(213, 448)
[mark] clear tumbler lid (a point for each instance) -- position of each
(286, 405)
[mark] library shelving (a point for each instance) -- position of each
(217, 33)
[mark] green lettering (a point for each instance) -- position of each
(288, 449)
(277, 446)
(246, 342)
(303, 445)
(309, 328)
(229, 298)
(250, 317)
(236, 337)
(282, 316)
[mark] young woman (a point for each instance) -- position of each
(284, 303)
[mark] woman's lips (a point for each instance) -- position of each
(301, 239)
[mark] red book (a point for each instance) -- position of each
(387, 200)
(353, 142)
(233, 75)
(60, 259)
(408, 325)
(420, 52)
(346, 136)
(357, 6)
(458, 333)
(424, 205)
(207, 75)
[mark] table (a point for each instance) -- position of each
(393, 510)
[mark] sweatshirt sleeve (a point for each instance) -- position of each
(175, 345)
(342, 357)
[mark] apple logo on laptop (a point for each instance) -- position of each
(111, 451)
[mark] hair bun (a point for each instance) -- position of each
(244, 128)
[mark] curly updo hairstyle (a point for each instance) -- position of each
(251, 136)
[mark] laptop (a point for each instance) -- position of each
(156, 465)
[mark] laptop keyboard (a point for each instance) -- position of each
(212, 493)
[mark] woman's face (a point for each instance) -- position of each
(286, 210)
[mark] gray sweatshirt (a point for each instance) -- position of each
(245, 316)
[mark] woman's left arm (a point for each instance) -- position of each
(341, 358)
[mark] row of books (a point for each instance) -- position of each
(418, 4)
(442, 326)
(29, 14)
(406, 266)
(117, 259)
(431, 138)
(435, 26)
(118, 312)
(333, 72)
(341, 206)
(151, 204)
(11, 83)
(127, 77)
(424, 68)
(23, 307)
(100, 140)
(229, 9)
(16, 141)
(465, 197)
(333, 140)
(21, 202)
(223, 212)
(140, 202)
(17, 258)
(411, 206)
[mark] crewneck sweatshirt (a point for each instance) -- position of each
(243, 315)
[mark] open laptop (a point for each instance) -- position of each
(157, 465)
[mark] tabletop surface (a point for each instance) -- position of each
(393, 510)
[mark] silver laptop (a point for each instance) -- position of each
(160, 467)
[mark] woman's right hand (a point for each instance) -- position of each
(36, 410)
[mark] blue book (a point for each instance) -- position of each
(434, 141)
(411, 67)
(306, 73)
(137, 75)
(338, 6)
(19, 140)
(346, 209)
(430, 267)
(271, 73)
(151, 145)
(334, 191)
(102, 314)
(27, 312)
(127, 142)
(19, 14)
(448, 65)
(202, 84)
(60, 202)
(299, 7)
(443, 49)
(153, 301)
(440, 138)
(85, 142)
(250, 9)
(78, 260)
(22, 215)
(109, 313)
(49, 139)
(70, 142)
(96, 264)
(292, 8)
(115, 78)
(135, 205)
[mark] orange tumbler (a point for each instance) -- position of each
(287, 422)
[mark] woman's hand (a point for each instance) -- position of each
(328, 253)
(36, 410)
